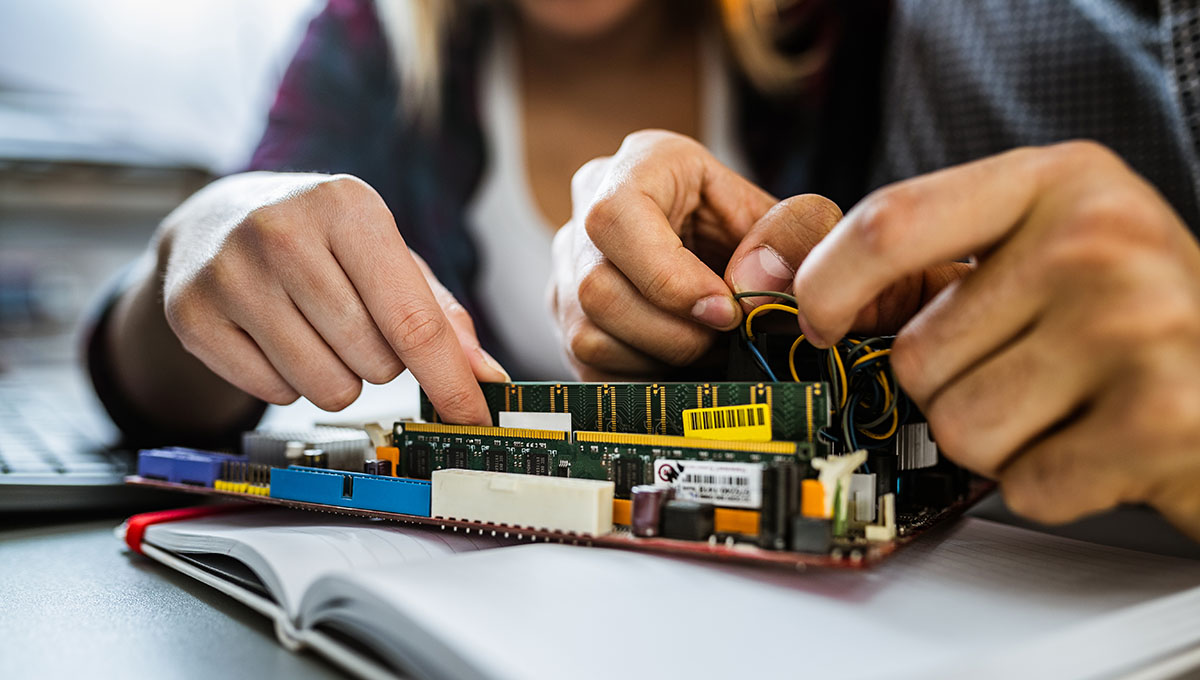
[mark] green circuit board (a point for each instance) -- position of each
(798, 409)
(625, 459)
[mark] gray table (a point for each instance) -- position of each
(74, 603)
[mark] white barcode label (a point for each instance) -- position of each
(915, 449)
(732, 485)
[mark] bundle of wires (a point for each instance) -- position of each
(868, 405)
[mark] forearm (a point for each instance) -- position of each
(164, 384)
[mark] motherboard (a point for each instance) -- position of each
(833, 466)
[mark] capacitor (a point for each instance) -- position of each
(315, 458)
(376, 466)
(646, 514)
(687, 520)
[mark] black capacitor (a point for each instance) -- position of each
(780, 500)
(377, 466)
(315, 458)
(884, 467)
(646, 513)
(687, 520)
(811, 534)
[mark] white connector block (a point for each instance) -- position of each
(582, 506)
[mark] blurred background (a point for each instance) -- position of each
(111, 113)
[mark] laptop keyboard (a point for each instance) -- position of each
(40, 444)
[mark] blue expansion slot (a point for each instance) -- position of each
(182, 466)
(352, 490)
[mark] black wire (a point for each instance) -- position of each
(765, 293)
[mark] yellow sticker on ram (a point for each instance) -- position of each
(745, 423)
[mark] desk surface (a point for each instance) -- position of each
(75, 603)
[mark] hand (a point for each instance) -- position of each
(300, 284)
(1067, 363)
(634, 288)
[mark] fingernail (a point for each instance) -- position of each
(495, 365)
(762, 269)
(716, 311)
(812, 336)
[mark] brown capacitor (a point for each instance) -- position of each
(648, 500)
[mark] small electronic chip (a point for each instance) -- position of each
(628, 472)
(456, 457)
(537, 463)
(495, 460)
(418, 462)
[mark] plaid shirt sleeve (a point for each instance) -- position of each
(337, 99)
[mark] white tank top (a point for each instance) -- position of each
(509, 231)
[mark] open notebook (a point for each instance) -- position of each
(978, 599)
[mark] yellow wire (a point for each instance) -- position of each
(883, 381)
(871, 355)
(837, 358)
(792, 357)
(765, 308)
(891, 431)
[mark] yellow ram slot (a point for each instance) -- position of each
(669, 441)
(481, 431)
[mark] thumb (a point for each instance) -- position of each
(483, 365)
(769, 253)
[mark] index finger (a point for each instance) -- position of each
(910, 226)
(654, 184)
(404, 308)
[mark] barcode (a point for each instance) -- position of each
(714, 480)
(743, 416)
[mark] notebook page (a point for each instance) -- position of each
(289, 549)
(545, 611)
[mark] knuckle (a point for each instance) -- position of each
(270, 231)
(655, 137)
(667, 288)
(1121, 217)
(188, 319)
(339, 396)
(587, 178)
(382, 370)
(811, 209)
(1086, 153)
(416, 328)
(279, 394)
(601, 217)
(880, 224)
(595, 292)
(687, 349)
(1065, 259)
(345, 188)
(587, 345)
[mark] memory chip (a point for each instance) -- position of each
(537, 463)
(418, 462)
(456, 457)
(627, 473)
(495, 460)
